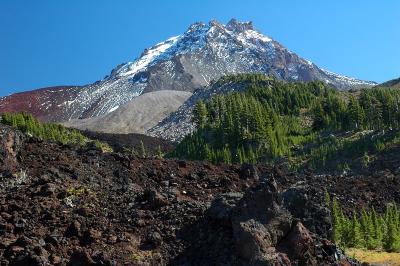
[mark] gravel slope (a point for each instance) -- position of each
(137, 116)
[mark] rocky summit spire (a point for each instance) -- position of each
(196, 25)
(238, 26)
(215, 23)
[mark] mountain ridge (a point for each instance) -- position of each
(393, 83)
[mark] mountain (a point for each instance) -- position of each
(203, 53)
(394, 83)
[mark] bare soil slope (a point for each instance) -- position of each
(137, 116)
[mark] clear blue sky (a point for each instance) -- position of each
(75, 42)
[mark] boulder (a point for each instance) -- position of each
(154, 240)
(258, 224)
(305, 204)
(298, 241)
(10, 145)
(222, 206)
(248, 171)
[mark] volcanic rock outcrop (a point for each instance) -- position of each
(67, 205)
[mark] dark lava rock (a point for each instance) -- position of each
(23, 241)
(20, 225)
(112, 240)
(6, 228)
(222, 206)
(31, 260)
(182, 164)
(248, 171)
(54, 259)
(48, 189)
(51, 239)
(80, 257)
(154, 198)
(91, 236)
(133, 211)
(259, 223)
(74, 229)
(11, 142)
(298, 199)
(299, 241)
(153, 241)
(263, 232)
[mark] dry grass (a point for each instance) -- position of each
(375, 257)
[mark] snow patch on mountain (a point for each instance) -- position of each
(147, 57)
(350, 81)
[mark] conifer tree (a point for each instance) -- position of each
(392, 238)
(356, 236)
(327, 200)
(337, 222)
(200, 114)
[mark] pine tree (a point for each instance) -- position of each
(392, 239)
(200, 114)
(356, 236)
(337, 222)
(327, 199)
(376, 230)
(227, 155)
(356, 114)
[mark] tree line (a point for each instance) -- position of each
(273, 119)
(366, 229)
(48, 131)
(375, 109)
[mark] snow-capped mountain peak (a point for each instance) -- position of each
(193, 38)
(204, 52)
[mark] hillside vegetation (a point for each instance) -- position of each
(306, 124)
(366, 228)
(49, 131)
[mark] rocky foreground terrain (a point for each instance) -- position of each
(67, 205)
